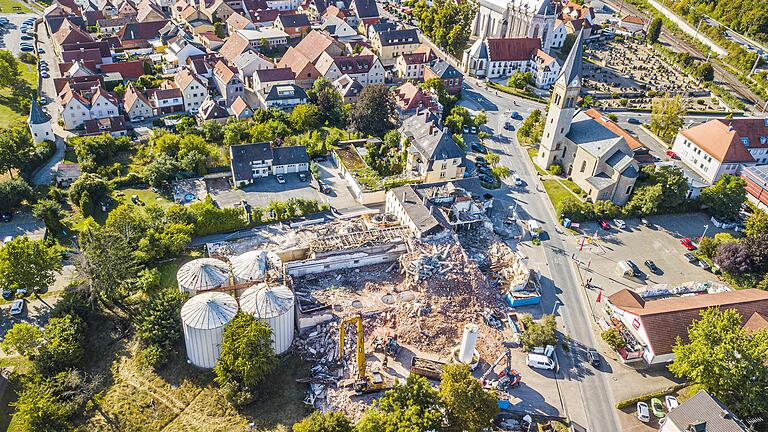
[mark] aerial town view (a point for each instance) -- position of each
(384, 215)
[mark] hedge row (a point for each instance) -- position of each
(629, 402)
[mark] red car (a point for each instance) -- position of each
(604, 224)
(687, 243)
(671, 154)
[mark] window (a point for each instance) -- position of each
(745, 141)
(583, 166)
(442, 174)
(629, 190)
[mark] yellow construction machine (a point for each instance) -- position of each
(364, 382)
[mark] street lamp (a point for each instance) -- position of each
(706, 227)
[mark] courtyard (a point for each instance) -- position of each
(627, 73)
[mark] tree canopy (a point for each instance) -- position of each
(667, 117)
(446, 23)
(375, 112)
(331, 421)
(29, 264)
(723, 200)
(468, 407)
(414, 406)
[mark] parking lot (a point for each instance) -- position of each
(11, 34)
(264, 190)
(23, 223)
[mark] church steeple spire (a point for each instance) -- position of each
(562, 107)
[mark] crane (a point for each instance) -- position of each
(364, 383)
(508, 377)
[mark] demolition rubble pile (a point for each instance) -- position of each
(451, 292)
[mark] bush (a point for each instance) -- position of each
(538, 334)
(209, 219)
(632, 401)
(613, 338)
(28, 58)
(555, 169)
(131, 179)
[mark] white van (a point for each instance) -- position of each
(540, 361)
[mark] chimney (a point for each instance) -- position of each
(725, 414)
(418, 110)
(431, 128)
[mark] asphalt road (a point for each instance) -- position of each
(561, 287)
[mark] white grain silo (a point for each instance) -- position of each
(255, 266)
(203, 318)
(202, 274)
(275, 305)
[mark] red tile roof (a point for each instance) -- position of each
(720, 139)
(129, 70)
(516, 49)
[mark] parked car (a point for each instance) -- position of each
(479, 148)
(6, 216)
(687, 243)
(45, 75)
(40, 51)
(652, 267)
(540, 361)
(303, 177)
(480, 159)
(138, 119)
(690, 257)
(672, 154)
(619, 223)
(515, 115)
(593, 357)
(633, 120)
(280, 179)
(473, 130)
(486, 178)
(26, 48)
(27, 37)
(671, 402)
(518, 181)
(604, 224)
(508, 126)
(465, 129)
(645, 222)
(642, 412)
(44, 100)
(483, 169)
(635, 269)
(657, 407)
(17, 307)
(705, 265)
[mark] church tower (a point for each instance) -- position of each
(562, 107)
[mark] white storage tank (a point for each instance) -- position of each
(255, 266)
(202, 274)
(203, 318)
(275, 305)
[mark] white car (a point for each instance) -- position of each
(642, 412)
(619, 223)
(17, 307)
(138, 119)
(671, 402)
(280, 178)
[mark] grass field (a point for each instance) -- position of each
(146, 196)
(572, 186)
(556, 192)
(6, 6)
(11, 112)
(532, 152)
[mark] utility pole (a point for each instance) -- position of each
(754, 67)
(621, 6)
(697, 29)
(706, 227)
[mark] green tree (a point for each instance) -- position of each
(246, 357)
(16, 145)
(40, 407)
(162, 168)
(49, 210)
(520, 80)
(705, 72)
(613, 338)
(86, 204)
(723, 200)
(375, 112)
(756, 224)
(13, 192)
(446, 23)
(645, 200)
(674, 186)
(220, 29)
(9, 69)
(328, 101)
(160, 323)
(63, 345)
(306, 117)
(532, 128)
(414, 406)
(538, 334)
(29, 264)
(95, 185)
(500, 172)
(480, 119)
(22, 338)
(331, 421)
(708, 247)
(654, 31)
(467, 406)
(667, 117)
(726, 360)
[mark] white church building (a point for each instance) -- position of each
(597, 159)
(516, 19)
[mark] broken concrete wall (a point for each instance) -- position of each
(358, 258)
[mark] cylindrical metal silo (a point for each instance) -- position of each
(254, 266)
(202, 274)
(203, 318)
(468, 341)
(275, 305)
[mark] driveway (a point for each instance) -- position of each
(23, 224)
(267, 189)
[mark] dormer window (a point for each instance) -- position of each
(745, 141)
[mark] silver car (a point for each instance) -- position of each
(17, 307)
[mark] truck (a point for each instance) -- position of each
(427, 368)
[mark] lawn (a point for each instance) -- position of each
(168, 269)
(11, 110)
(572, 186)
(556, 192)
(146, 196)
(6, 6)
(532, 152)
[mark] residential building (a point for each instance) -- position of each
(559, 33)
(598, 160)
(757, 184)
(366, 69)
(366, 11)
(723, 146)
(240, 109)
(295, 25)
(410, 98)
(166, 99)
(136, 104)
(127, 71)
(265, 79)
(433, 155)
(78, 106)
(177, 53)
(500, 58)
(237, 21)
(451, 77)
(249, 162)
(411, 66)
(66, 173)
(137, 35)
(272, 35)
(209, 40)
(285, 96)
(631, 24)
(656, 324)
(39, 123)
(702, 412)
(193, 89)
(114, 126)
(211, 110)
(339, 29)
(248, 63)
(348, 87)
(504, 19)
(390, 44)
(228, 83)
